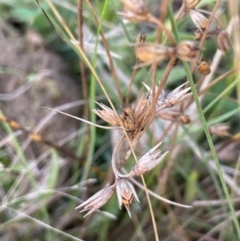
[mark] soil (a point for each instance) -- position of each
(22, 59)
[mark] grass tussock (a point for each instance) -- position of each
(159, 130)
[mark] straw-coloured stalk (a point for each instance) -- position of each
(97, 200)
(126, 193)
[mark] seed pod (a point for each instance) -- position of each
(223, 40)
(128, 119)
(203, 68)
(190, 4)
(185, 119)
(174, 97)
(97, 200)
(187, 51)
(107, 114)
(138, 7)
(126, 193)
(141, 38)
(147, 162)
(200, 21)
(220, 129)
(197, 34)
(150, 53)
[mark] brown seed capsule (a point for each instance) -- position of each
(203, 68)
(128, 119)
(185, 119)
(126, 193)
(141, 38)
(187, 50)
(197, 34)
(138, 7)
(190, 4)
(107, 114)
(223, 40)
(150, 53)
(149, 161)
(200, 21)
(97, 200)
(220, 129)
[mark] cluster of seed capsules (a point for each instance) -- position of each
(135, 121)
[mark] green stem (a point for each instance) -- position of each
(205, 128)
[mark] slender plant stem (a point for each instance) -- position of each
(207, 133)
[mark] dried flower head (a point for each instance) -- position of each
(134, 10)
(132, 17)
(172, 99)
(190, 4)
(107, 114)
(128, 119)
(220, 129)
(185, 119)
(97, 200)
(200, 21)
(138, 7)
(141, 38)
(126, 193)
(198, 34)
(143, 116)
(223, 40)
(187, 51)
(187, 5)
(152, 53)
(150, 160)
(203, 68)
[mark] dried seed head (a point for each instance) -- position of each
(132, 17)
(134, 10)
(141, 38)
(198, 34)
(107, 114)
(187, 51)
(128, 119)
(126, 193)
(220, 129)
(97, 200)
(152, 53)
(138, 7)
(187, 5)
(190, 4)
(185, 119)
(143, 115)
(223, 40)
(174, 97)
(150, 160)
(200, 21)
(203, 68)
